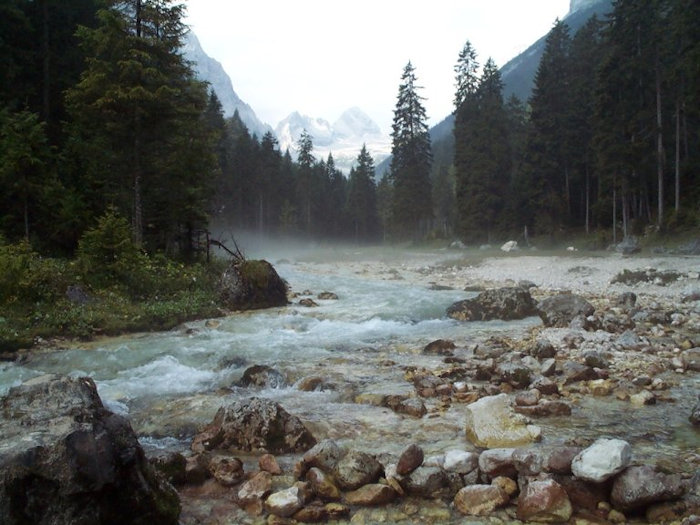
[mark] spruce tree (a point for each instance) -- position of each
(362, 199)
(411, 160)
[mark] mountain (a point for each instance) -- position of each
(344, 138)
(211, 71)
(518, 77)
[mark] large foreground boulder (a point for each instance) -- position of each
(255, 425)
(503, 303)
(249, 285)
(65, 459)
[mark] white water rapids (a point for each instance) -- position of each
(171, 383)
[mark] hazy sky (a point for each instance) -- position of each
(321, 57)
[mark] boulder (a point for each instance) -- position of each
(559, 310)
(65, 458)
(256, 488)
(411, 458)
(628, 246)
(602, 460)
(439, 347)
(357, 469)
(544, 501)
(509, 246)
(248, 285)
(638, 487)
(262, 376)
(492, 423)
(324, 455)
(322, 484)
(327, 296)
(497, 462)
(694, 417)
(227, 471)
(503, 303)
(461, 461)
(371, 494)
(480, 500)
(691, 359)
(255, 425)
(284, 503)
(425, 482)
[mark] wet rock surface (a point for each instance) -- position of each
(67, 459)
(503, 303)
(255, 424)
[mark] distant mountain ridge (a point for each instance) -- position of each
(211, 71)
(344, 138)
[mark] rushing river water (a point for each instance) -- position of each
(170, 384)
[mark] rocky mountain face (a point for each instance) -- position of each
(212, 71)
(344, 138)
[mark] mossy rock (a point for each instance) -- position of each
(251, 285)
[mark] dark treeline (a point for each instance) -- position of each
(609, 135)
(99, 113)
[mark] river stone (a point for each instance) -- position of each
(262, 376)
(371, 494)
(515, 374)
(544, 501)
(546, 408)
(497, 462)
(268, 463)
(480, 500)
(284, 503)
(411, 458)
(602, 460)
(357, 469)
(256, 425)
(559, 310)
(324, 455)
(641, 486)
(461, 461)
(691, 359)
(694, 417)
(543, 349)
(425, 482)
(256, 488)
(227, 471)
(439, 347)
(247, 285)
(503, 303)
(65, 458)
(492, 423)
(322, 484)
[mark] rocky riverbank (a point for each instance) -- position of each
(527, 411)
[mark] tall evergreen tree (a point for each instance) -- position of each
(362, 199)
(411, 159)
(137, 119)
(305, 178)
(547, 159)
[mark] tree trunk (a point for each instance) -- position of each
(659, 144)
(45, 55)
(614, 214)
(588, 201)
(678, 156)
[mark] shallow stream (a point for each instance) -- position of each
(172, 383)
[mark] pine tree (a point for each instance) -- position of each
(482, 158)
(411, 159)
(305, 178)
(138, 130)
(362, 199)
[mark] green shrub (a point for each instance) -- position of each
(107, 254)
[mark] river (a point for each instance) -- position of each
(358, 347)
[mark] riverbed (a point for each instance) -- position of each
(365, 344)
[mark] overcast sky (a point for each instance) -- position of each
(321, 57)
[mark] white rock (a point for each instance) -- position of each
(461, 461)
(492, 423)
(510, 246)
(284, 503)
(602, 460)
